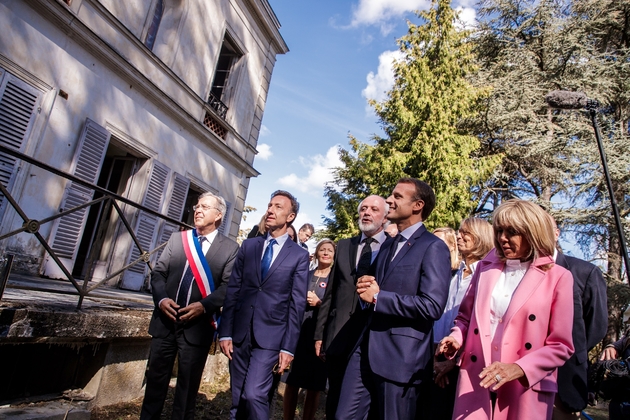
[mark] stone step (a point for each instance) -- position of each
(51, 410)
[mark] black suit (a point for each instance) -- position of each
(190, 341)
(590, 323)
(339, 323)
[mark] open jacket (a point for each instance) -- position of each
(537, 337)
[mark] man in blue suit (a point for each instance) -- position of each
(407, 294)
(263, 309)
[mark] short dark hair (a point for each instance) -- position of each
(295, 206)
(424, 192)
(309, 227)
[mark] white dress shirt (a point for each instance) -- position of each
(510, 278)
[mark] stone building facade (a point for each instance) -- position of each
(155, 100)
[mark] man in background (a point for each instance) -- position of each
(341, 320)
(590, 323)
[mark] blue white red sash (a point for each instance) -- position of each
(198, 265)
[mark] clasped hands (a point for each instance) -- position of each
(172, 310)
(367, 288)
(495, 375)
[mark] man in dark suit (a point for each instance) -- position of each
(263, 309)
(341, 320)
(304, 234)
(186, 308)
(406, 295)
(590, 323)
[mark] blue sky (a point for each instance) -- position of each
(340, 54)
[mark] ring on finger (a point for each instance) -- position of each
(498, 377)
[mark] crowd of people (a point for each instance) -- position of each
(489, 321)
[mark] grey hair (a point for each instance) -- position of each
(222, 207)
(373, 195)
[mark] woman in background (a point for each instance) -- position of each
(307, 370)
(449, 237)
(474, 241)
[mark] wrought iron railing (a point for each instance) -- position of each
(108, 198)
(216, 104)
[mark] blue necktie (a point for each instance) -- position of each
(392, 250)
(184, 286)
(266, 259)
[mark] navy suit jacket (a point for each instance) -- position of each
(413, 293)
(272, 307)
(590, 323)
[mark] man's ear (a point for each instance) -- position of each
(418, 205)
(291, 217)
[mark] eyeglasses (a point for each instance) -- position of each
(203, 207)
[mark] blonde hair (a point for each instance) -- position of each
(322, 243)
(530, 221)
(451, 240)
(481, 232)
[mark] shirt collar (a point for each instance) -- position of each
(280, 239)
(408, 233)
(379, 237)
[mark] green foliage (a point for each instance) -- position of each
(422, 121)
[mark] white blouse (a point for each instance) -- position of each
(510, 278)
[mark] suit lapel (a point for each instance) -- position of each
(352, 250)
(490, 271)
(214, 248)
(533, 277)
(405, 248)
(284, 252)
(258, 247)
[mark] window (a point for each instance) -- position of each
(155, 24)
(224, 76)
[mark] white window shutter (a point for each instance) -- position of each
(174, 209)
(18, 103)
(145, 227)
(87, 164)
(225, 223)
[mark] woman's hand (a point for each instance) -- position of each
(312, 299)
(448, 347)
(498, 374)
(440, 370)
(609, 353)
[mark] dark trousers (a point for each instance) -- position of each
(365, 395)
(438, 403)
(336, 367)
(191, 362)
(251, 379)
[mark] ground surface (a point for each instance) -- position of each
(213, 403)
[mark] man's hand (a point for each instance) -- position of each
(609, 353)
(367, 288)
(318, 350)
(169, 307)
(191, 312)
(226, 348)
(284, 361)
(448, 347)
(440, 370)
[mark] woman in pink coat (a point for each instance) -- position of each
(514, 324)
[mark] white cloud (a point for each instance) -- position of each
(380, 83)
(264, 131)
(380, 12)
(264, 151)
(319, 172)
(467, 16)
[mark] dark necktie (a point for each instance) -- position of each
(392, 250)
(266, 259)
(365, 259)
(184, 286)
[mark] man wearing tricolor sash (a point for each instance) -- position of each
(188, 284)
